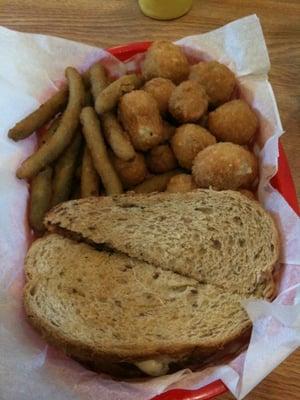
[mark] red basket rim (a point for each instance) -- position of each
(282, 181)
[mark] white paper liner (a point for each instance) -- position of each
(31, 68)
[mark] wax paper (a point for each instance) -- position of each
(31, 69)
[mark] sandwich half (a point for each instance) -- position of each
(123, 316)
(219, 238)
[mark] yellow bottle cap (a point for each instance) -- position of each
(165, 9)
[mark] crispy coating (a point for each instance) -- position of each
(140, 117)
(233, 122)
(188, 140)
(166, 60)
(217, 79)
(44, 113)
(40, 199)
(225, 166)
(161, 159)
(45, 134)
(116, 137)
(89, 182)
(41, 185)
(131, 172)
(161, 89)
(65, 132)
(156, 183)
(95, 142)
(188, 102)
(39, 117)
(64, 171)
(181, 183)
(98, 79)
(108, 98)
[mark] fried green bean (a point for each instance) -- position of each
(156, 183)
(64, 171)
(109, 97)
(40, 198)
(44, 113)
(41, 186)
(98, 79)
(45, 135)
(39, 117)
(64, 133)
(116, 137)
(95, 142)
(89, 184)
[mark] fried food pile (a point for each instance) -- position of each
(175, 127)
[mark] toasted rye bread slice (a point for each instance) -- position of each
(220, 238)
(109, 308)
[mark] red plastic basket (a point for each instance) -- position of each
(283, 182)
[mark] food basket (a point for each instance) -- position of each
(282, 181)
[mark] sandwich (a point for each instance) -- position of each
(136, 284)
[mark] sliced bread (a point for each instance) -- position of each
(217, 237)
(108, 308)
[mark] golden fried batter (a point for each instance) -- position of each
(188, 102)
(225, 166)
(140, 117)
(188, 140)
(233, 122)
(181, 183)
(217, 79)
(166, 60)
(161, 159)
(130, 172)
(161, 89)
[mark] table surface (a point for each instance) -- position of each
(106, 23)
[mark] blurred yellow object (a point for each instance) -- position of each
(165, 9)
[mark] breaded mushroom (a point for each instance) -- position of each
(181, 183)
(131, 172)
(188, 102)
(218, 80)
(161, 89)
(165, 60)
(139, 114)
(161, 159)
(188, 140)
(225, 166)
(233, 122)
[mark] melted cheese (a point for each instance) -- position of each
(154, 367)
